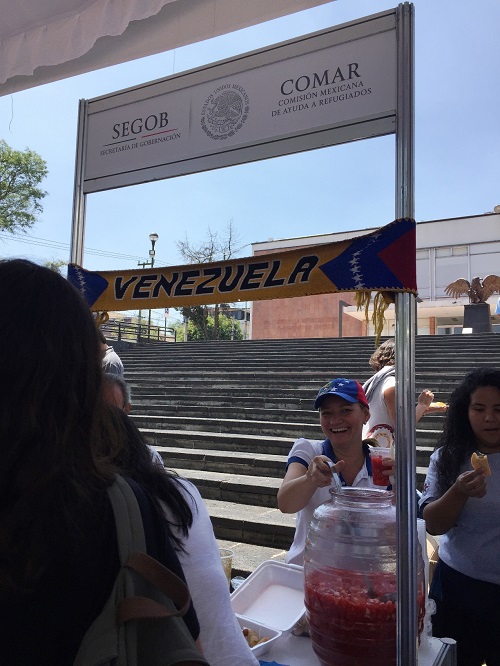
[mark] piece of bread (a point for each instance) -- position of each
(438, 406)
(480, 461)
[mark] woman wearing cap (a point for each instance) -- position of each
(343, 411)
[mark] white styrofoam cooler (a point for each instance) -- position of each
(273, 596)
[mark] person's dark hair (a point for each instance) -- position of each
(52, 420)
(457, 439)
(134, 460)
(102, 338)
(384, 355)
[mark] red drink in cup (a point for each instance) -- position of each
(380, 460)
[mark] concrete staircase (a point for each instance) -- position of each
(225, 415)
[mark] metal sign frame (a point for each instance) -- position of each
(399, 121)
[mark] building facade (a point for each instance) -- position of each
(448, 249)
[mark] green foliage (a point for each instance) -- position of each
(204, 328)
(178, 327)
(225, 329)
(55, 265)
(21, 172)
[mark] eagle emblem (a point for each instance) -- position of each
(478, 290)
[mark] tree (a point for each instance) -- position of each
(229, 329)
(55, 265)
(21, 172)
(216, 247)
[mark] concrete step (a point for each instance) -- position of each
(256, 525)
(219, 441)
(221, 425)
(223, 394)
(147, 414)
(339, 365)
(212, 409)
(279, 391)
(427, 437)
(473, 348)
(242, 489)
(193, 461)
(235, 442)
(274, 382)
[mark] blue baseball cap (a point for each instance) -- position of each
(348, 389)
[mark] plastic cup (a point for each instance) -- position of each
(379, 457)
(226, 556)
(236, 582)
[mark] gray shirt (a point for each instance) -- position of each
(472, 545)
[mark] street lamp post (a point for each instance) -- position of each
(153, 238)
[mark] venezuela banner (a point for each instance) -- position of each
(382, 261)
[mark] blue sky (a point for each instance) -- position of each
(340, 188)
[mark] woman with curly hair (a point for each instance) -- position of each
(463, 505)
(380, 391)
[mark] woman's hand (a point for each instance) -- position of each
(425, 398)
(389, 470)
(319, 472)
(442, 514)
(471, 484)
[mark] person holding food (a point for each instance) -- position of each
(461, 502)
(380, 391)
(343, 410)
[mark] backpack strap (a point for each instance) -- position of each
(162, 579)
(374, 382)
(132, 551)
(129, 528)
(139, 624)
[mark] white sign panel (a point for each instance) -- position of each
(201, 120)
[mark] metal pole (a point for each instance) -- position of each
(405, 355)
(143, 264)
(342, 304)
(153, 238)
(79, 198)
(149, 315)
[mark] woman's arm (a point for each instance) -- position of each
(442, 514)
(300, 484)
(424, 400)
(390, 402)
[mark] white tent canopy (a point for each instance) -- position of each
(47, 40)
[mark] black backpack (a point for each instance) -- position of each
(140, 625)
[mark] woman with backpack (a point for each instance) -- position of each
(191, 528)
(58, 546)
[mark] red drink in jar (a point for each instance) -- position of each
(352, 617)
(350, 578)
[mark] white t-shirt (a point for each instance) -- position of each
(155, 456)
(220, 634)
(303, 451)
(380, 382)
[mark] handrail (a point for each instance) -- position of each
(134, 332)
